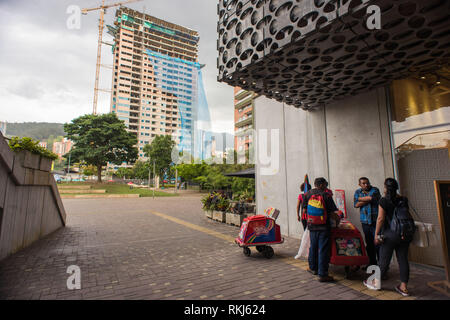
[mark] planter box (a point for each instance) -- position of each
(219, 216)
(209, 214)
(46, 164)
(234, 219)
(31, 160)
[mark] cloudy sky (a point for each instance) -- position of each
(47, 70)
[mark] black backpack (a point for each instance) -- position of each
(402, 222)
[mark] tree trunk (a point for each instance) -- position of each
(99, 174)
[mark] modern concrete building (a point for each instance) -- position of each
(156, 75)
(243, 119)
(345, 100)
(62, 147)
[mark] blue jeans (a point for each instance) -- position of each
(319, 252)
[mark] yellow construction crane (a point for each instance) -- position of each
(102, 9)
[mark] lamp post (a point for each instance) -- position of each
(68, 166)
(176, 179)
(154, 177)
(149, 172)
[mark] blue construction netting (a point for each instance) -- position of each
(203, 122)
(183, 79)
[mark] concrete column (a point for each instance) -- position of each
(342, 141)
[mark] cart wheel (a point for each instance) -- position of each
(268, 252)
(260, 248)
(347, 272)
(247, 251)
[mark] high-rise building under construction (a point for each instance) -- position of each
(156, 78)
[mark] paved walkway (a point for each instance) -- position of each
(166, 249)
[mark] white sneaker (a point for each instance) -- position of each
(371, 286)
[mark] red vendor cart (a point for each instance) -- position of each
(347, 245)
(260, 231)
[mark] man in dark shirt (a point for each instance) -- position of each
(366, 199)
(319, 251)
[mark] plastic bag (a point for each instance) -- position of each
(303, 251)
(424, 235)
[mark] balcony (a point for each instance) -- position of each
(243, 122)
(242, 94)
(244, 132)
(248, 111)
(244, 103)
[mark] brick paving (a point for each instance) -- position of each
(165, 248)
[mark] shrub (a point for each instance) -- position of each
(216, 201)
(18, 144)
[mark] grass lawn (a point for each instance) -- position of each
(119, 189)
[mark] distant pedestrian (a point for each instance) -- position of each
(302, 217)
(393, 210)
(366, 199)
(320, 208)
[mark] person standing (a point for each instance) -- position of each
(319, 208)
(366, 199)
(392, 204)
(302, 218)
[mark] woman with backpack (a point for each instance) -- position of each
(302, 217)
(394, 231)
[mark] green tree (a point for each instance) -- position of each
(99, 139)
(243, 185)
(88, 170)
(140, 170)
(123, 172)
(188, 172)
(160, 152)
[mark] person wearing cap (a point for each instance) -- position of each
(320, 234)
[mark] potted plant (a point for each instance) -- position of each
(221, 206)
(208, 205)
(236, 214)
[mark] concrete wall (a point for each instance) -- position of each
(358, 144)
(30, 205)
(341, 142)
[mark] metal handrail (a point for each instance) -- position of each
(421, 134)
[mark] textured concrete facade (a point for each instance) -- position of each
(310, 52)
(30, 205)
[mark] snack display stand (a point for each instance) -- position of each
(260, 231)
(347, 245)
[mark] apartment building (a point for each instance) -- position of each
(243, 119)
(62, 147)
(155, 77)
